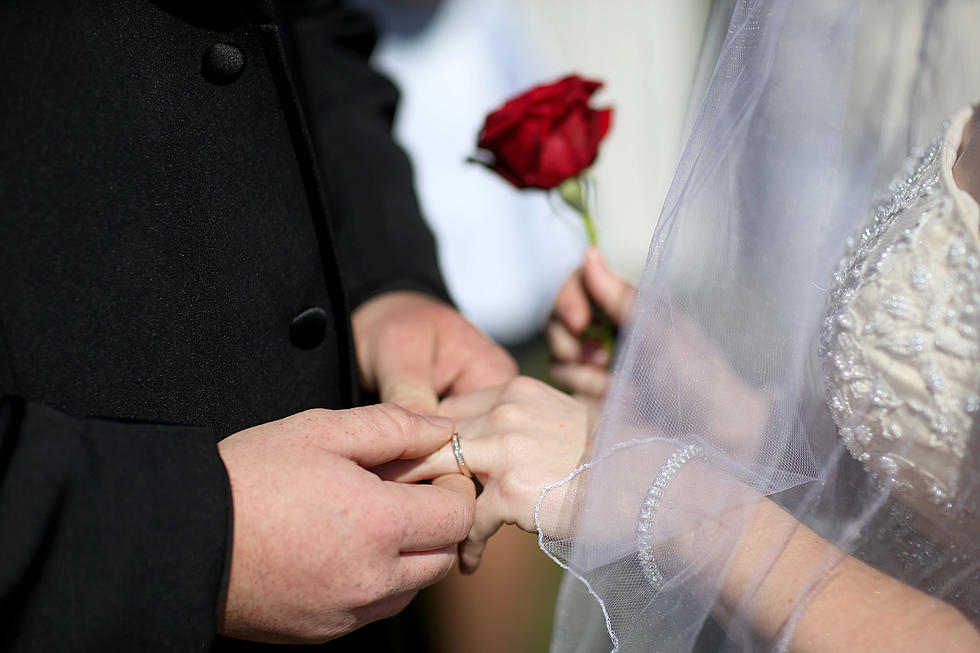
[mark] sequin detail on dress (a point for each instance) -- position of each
(900, 342)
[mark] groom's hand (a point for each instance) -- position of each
(413, 349)
(321, 545)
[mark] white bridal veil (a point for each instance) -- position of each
(721, 391)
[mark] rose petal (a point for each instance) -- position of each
(547, 134)
(581, 148)
(521, 152)
(556, 163)
(601, 122)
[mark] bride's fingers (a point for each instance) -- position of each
(581, 379)
(966, 169)
(471, 554)
(564, 346)
(609, 291)
(486, 521)
(477, 453)
(572, 306)
(439, 515)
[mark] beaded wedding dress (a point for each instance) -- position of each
(800, 338)
(901, 345)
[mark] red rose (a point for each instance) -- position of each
(546, 135)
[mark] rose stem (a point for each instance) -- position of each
(572, 190)
(590, 228)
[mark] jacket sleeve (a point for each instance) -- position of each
(113, 534)
(383, 242)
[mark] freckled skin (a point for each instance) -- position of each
(321, 545)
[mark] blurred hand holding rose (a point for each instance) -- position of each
(546, 138)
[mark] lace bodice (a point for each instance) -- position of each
(901, 343)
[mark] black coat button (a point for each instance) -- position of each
(308, 328)
(223, 63)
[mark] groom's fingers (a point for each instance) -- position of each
(435, 516)
(418, 569)
(438, 463)
(384, 432)
(472, 363)
(471, 404)
(410, 390)
(403, 370)
(421, 369)
(477, 452)
(406, 471)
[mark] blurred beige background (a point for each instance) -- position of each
(647, 53)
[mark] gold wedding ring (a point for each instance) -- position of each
(460, 461)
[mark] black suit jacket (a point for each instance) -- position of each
(192, 196)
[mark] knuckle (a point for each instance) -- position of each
(393, 419)
(384, 532)
(376, 527)
(384, 528)
(505, 415)
(310, 424)
(315, 415)
(394, 412)
(522, 386)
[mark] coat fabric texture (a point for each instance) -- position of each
(193, 196)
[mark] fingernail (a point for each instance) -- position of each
(439, 420)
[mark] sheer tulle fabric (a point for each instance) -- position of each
(810, 109)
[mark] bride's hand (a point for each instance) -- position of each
(693, 366)
(581, 365)
(966, 170)
(516, 439)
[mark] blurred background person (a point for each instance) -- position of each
(503, 253)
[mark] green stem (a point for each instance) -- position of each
(601, 328)
(590, 228)
(572, 190)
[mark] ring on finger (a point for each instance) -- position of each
(460, 461)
